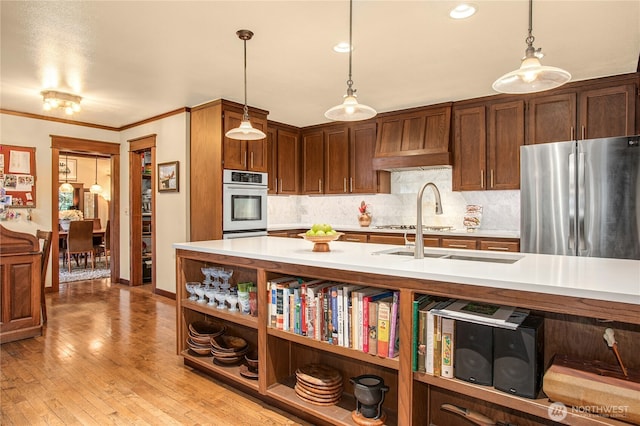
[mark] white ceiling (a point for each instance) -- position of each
(131, 60)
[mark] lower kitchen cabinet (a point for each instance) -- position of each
(571, 327)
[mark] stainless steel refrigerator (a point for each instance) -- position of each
(581, 198)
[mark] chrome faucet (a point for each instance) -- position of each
(419, 254)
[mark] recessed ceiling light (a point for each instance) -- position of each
(342, 47)
(463, 10)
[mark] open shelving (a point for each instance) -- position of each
(572, 326)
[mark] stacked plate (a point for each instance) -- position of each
(318, 384)
(228, 349)
(200, 334)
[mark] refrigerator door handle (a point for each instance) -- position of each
(572, 202)
(581, 201)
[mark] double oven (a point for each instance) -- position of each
(244, 204)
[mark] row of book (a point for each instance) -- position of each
(434, 326)
(358, 317)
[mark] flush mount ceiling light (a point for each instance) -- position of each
(52, 99)
(96, 188)
(245, 132)
(66, 187)
(463, 11)
(350, 109)
(532, 76)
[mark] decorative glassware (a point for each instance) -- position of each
(207, 275)
(215, 273)
(225, 274)
(199, 289)
(221, 297)
(210, 292)
(191, 289)
(232, 299)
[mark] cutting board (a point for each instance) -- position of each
(584, 384)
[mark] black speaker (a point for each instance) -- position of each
(473, 353)
(518, 357)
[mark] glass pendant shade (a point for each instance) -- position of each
(66, 188)
(95, 189)
(245, 132)
(532, 76)
(350, 109)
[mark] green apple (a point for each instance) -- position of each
(326, 227)
(320, 233)
(331, 232)
(316, 227)
(310, 233)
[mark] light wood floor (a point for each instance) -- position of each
(108, 356)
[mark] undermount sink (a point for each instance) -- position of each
(491, 258)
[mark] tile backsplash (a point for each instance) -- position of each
(501, 209)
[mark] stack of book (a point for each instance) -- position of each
(352, 316)
(434, 328)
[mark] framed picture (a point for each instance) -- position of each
(68, 169)
(168, 177)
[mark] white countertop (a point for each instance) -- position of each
(488, 233)
(614, 280)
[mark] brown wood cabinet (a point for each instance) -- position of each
(469, 147)
(207, 159)
(589, 109)
(336, 159)
(20, 262)
(354, 237)
(487, 142)
(244, 155)
(312, 161)
(283, 144)
(460, 243)
(416, 137)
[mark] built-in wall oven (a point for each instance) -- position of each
(244, 204)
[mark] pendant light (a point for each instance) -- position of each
(350, 109)
(245, 132)
(66, 187)
(96, 188)
(532, 76)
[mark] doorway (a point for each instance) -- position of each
(85, 147)
(142, 188)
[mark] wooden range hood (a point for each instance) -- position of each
(414, 138)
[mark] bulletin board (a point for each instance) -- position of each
(17, 176)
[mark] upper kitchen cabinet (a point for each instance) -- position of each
(244, 155)
(209, 122)
(487, 140)
(417, 137)
(337, 159)
(312, 161)
(283, 143)
(599, 108)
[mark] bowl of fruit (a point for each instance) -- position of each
(321, 234)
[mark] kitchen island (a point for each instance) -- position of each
(573, 295)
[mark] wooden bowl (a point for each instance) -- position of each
(321, 243)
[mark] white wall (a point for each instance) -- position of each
(501, 209)
(171, 209)
(29, 132)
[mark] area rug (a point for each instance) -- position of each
(66, 277)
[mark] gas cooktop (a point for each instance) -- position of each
(410, 227)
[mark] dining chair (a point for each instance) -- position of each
(105, 247)
(80, 242)
(45, 240)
